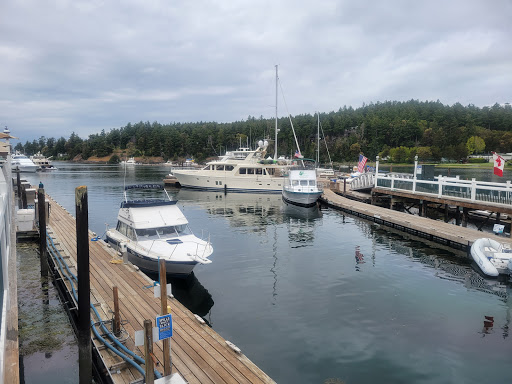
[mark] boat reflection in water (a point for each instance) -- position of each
(301, 223)
(191, 293)
(253, 212)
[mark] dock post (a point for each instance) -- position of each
(148, 351)
(84, 286)
(166, 347)
(457, 215)
(344, 187)
(116, 326)
(465, 216)
(41, 209)
(446, 213)
(24, 197)
(18, 186)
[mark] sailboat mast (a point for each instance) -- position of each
(318, 141)
(275, 141)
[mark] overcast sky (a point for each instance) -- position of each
(84, 66)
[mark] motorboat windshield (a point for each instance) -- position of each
(163, 232)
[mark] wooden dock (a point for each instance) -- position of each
(434, 230)
(199, 354)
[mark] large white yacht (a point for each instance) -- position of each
(42, 162)
(243, 170)
(23, 163)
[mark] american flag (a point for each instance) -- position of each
(362, 163)
(359, 256)
(298, 155)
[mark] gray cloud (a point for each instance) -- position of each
(84, 66)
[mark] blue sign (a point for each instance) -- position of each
(164, 324)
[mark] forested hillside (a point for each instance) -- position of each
(397, 129)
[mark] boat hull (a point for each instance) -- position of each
(302, 199)
(151, 264)
(219, 182)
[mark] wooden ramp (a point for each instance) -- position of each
(199, 354)
(439, 231)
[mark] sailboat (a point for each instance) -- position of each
(243, 170)
(322, 172)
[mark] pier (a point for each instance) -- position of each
(199, 354)
(434, 230)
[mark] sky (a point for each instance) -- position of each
(86, 66)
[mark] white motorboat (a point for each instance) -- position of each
(492, 257)
(150, 230)
(301, 188)
(23, 163)
(42, 162)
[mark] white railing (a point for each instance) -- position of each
(443, 186)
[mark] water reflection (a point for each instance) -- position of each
(252, 212)
(191, 293)
(302, 223)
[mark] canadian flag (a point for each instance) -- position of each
(499, 164)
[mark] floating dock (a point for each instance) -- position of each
(199, 354)
(434, 230)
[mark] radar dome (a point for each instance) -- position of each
(260, 143)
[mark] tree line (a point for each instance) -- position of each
(394, 130)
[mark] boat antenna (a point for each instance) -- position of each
(275, 142)
(124, 182)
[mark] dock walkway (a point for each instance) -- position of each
(199, 354)
(438, 231)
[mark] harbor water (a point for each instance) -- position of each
(316, 296)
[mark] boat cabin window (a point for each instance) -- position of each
(312, 183)
(295, 183)
(229, 167)
(304, 183)
(146, 234)
(250, 171)
(219, 167)
(125, 230)
(259, 171)
(270, 171)
(242, 171)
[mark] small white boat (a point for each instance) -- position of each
(301, 188)
(492, 257)
(150, 230)
(23, 163)
(130, 161)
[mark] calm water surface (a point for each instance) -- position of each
(315, 296)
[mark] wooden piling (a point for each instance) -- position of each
(116, 327)
(41, 208)
(84, 296)
(24, 197)
(18, 186)
(148, 351)
(163, 309)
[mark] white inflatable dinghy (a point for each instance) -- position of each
(492, 257)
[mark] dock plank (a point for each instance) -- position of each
(199, 354)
